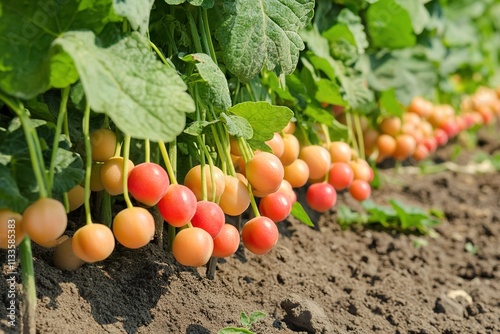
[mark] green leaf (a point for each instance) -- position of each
(203, 3)
(265, 119)
(143, 97)
(237, 126)
(389, 25)
(214, 89)
(329, 92)
(346, 216)
(196, 128)
(389, 105)
(321, 64)
(235, 330)
(355, 25)
(256, 316)
(68, 171)
(27, 31)
(301, 214)
(137, 12)
(245, 320)
(420, 17)
(255, 34)
(10, 195)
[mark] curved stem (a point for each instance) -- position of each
(194, 32)
(35, 153)
(29, 286)
(88, 162)
(126, 154)
(55, 145)
(168, 165)
(158, 52)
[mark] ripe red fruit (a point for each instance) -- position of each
(341, 175)
(360, 190)
(178, 205)
(148, 183)
(259, 235)
(441, 137)
(276, 206)
(227, 242)
(208, 216)
(321, 197)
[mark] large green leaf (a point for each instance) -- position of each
(203, 3)
(389, 25)
(144, 98)
(137, 12)
(262, 33)
(27, 30)
(10, 195)
(420, 17)
(265, 119)
(214, 89)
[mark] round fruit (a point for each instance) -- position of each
(11, 229)
(45, 220)
(192, 247)
(360, 190)
(318, 159)
(286, 188)
(103, 143)
(386, 146)
(64, 258)
(340, 152)
(391, 126)
(421, 152)
(291, 149)
(405, 146)
(193, 182)
(276, 144)
(361, 169)
(321, 197)
(208, 216)
(227, 242)
(178, 205)
(76, 197)
(297, 173)
(148, 183)
(276, 206)
(341, 175)
(421, 107)
(134, 227)
(93, 242)
(441, 137)
(235, 199)
(265, 172)
(259, 235)
(112, 175)
(289, 128)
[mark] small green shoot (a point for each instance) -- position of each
(398, 216)
(469, 247)
(246, 322)
(419, 243)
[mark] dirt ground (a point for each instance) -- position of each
(324, 280)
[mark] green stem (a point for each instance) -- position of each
(29, 132)
(158, 52)
(359, 132)
(324, 128)
(352, 137)
(194, 32)
(29, 287)
(126, 154)
(247, 155)
(147, 150)
(88, 162)
(208, 35)
(105, 214)
(168, 165)
(55, 145)
(202, 148)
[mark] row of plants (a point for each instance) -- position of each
(186, 112)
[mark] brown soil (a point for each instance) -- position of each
(324, 280)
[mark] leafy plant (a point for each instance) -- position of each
(246, 322)
(398, 216)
